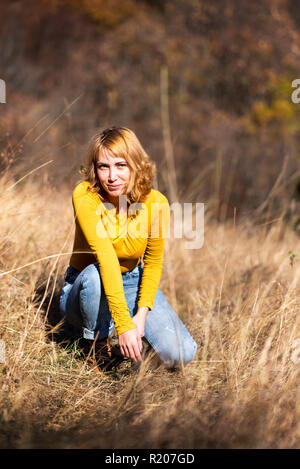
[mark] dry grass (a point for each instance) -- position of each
(239, 295)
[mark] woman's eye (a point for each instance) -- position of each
(119, 165)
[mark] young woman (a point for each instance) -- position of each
(121, 224)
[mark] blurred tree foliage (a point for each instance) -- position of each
(230, 67)
(105, 13)
(276, 108)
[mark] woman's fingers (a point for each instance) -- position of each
(133, 351)
(139, 347)
(131, 345)
(140, 344)
(124, 352)
(138, 350)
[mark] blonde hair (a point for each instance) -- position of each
(122, 142)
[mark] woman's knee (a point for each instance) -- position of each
(175, 356)
(63, 298)
(90, 278)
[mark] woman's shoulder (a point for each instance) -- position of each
(81, 190)
(155, 196)
(81, 195)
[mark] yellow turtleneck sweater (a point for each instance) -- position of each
(117, 243)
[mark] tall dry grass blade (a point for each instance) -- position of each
(28, 174)
(58, 117)
(166, 128)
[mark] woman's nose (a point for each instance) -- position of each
(112, 174)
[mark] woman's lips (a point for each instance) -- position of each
(113, 187)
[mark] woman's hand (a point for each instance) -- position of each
(131, 344)
(131, 341)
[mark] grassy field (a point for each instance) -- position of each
(239, 296)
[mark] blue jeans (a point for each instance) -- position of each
(84, 304)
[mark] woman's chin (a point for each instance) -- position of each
(115, 193)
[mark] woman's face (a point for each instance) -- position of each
(113, 173)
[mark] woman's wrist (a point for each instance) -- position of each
(139, 319)
(142, 311)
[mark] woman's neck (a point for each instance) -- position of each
(121, 206)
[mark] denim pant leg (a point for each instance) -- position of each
(164, 331)
(84, 304)
(167, 334)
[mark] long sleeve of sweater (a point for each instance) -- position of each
(159, 221)
(87, 213)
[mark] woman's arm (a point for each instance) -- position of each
(86, 208)
(159, 222)
(158, 230)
